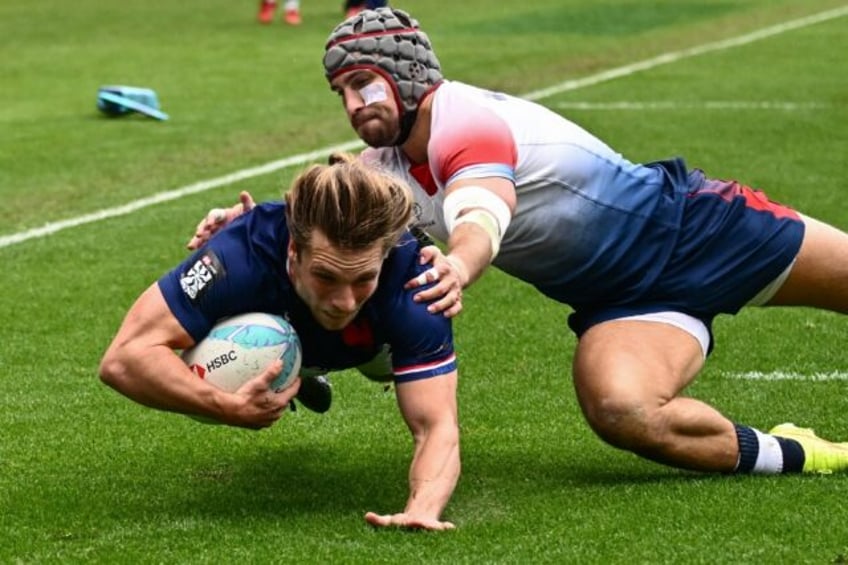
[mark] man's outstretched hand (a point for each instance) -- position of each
(409, 521)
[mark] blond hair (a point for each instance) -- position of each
(352, 204)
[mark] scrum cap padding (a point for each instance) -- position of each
(389, 40)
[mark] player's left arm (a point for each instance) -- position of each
(475, 155)
(477, 219)
(429, 408)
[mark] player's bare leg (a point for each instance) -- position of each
(819, 277)
(628, 376)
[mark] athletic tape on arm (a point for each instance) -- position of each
(485, 208)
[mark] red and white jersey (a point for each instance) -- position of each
(577, 199)
(590, 227)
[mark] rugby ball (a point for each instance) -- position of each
(238, 349)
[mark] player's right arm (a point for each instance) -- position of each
(141, 363)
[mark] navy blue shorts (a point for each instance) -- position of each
(733, 242)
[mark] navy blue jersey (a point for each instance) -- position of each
(243, 269)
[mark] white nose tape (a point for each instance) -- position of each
(373, 93)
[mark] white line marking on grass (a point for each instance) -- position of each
(303, 158)
(159, 197)
(787, 376)
(703, 105)
(675, 56)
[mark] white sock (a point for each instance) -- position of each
(770, 455)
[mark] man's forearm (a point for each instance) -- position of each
(470, 251)
(434, 472)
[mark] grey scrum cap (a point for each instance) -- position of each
(388, 41)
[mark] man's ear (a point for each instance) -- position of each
(291, 251)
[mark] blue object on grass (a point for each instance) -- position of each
(122, 100)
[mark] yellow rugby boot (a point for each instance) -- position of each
(820, 455)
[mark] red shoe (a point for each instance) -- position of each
(292, 17)
(266, 11)
(352, 11)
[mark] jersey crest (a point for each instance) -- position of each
(200, 276)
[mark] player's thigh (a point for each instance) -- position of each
(819, 276)
(634, 363)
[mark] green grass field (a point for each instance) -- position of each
(88, 476)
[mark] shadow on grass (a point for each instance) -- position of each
(299, 480)
(302, 479)
(601, 467)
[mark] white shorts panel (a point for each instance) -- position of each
(771, 288)
(689, 324)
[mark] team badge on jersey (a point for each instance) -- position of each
(358, 334)
(200, 276)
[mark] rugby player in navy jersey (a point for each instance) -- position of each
(332, 259)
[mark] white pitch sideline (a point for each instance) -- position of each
(303, 158)
(786, 376)
(664, 105)
(159, 197)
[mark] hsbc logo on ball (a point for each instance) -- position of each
(221, 360)
(212, 364)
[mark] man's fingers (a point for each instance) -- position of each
(450, 305)
(272, 371)
(407, 521)
(441, 297)
(290, 391)
(434, 525)
(206, 227)
(377, 519)
(217, 218)
(434, 293)
(247, 202)
(453, 310)
(428, 254)
(428, 276)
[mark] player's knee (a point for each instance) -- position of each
(626, 423)
(110, 371)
